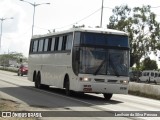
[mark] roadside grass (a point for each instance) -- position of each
(138, 93)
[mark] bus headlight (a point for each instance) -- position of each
(85, 79)
(124, 82)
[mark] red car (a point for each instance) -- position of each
(23, 69)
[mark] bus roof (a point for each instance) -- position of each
(93, 30)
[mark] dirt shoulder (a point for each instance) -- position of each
(8, 104)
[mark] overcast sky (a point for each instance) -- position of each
(60, 14)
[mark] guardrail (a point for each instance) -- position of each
(146, 90)
(12, 69)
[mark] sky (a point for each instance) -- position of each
(59, 15)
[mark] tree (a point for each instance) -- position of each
(148, 64)
(142, 27)
(4, 58)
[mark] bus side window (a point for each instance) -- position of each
(60, 43)
(40, 46)
(69, 42)
(31, 46)
(56, 43)
(77, 38)
(64, 42)
(35, 45)
(45, 44)
(49, 44)
(53, 43)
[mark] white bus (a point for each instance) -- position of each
(83, 60)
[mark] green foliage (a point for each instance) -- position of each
(10, 70)
(4, 58)
(142, 27)
(148, 64)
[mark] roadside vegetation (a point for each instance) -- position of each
(143, 28)
(12, 59)
(9, 69)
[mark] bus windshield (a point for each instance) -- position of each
(99, 61)
(104, 39)
(101, 54)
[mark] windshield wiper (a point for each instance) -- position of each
(100, 66)
(114, 68)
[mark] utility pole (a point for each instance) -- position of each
(2, 19)
(34, 5)
(101, 14)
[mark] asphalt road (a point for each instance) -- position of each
(92, 106)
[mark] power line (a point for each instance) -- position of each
(88, 15)
(72, 23)
(108, 8)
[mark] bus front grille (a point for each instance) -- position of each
(99, 80)
(112, 81)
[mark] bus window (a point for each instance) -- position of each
(53, 44)
(152, 74)
(40, 46)
(64, 42)
(56, 43)
(46, 45)
(49, 44)
(35, 45)
(60, 44)
(69, 42)
(77, 38)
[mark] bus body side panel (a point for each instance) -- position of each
(52, 67)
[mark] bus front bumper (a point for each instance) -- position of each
(87, 87)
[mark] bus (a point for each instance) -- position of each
(86, 60)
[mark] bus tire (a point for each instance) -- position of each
(107, 96)
(67, 86)
(46, 87)
(155, 82)
(38, 81)
(147, 81)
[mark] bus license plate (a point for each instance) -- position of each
(87, 89)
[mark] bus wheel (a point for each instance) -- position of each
(155, 82)
(38, 82)
(67, 87)
(107, 96)
(147, 81)
(46, 87)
